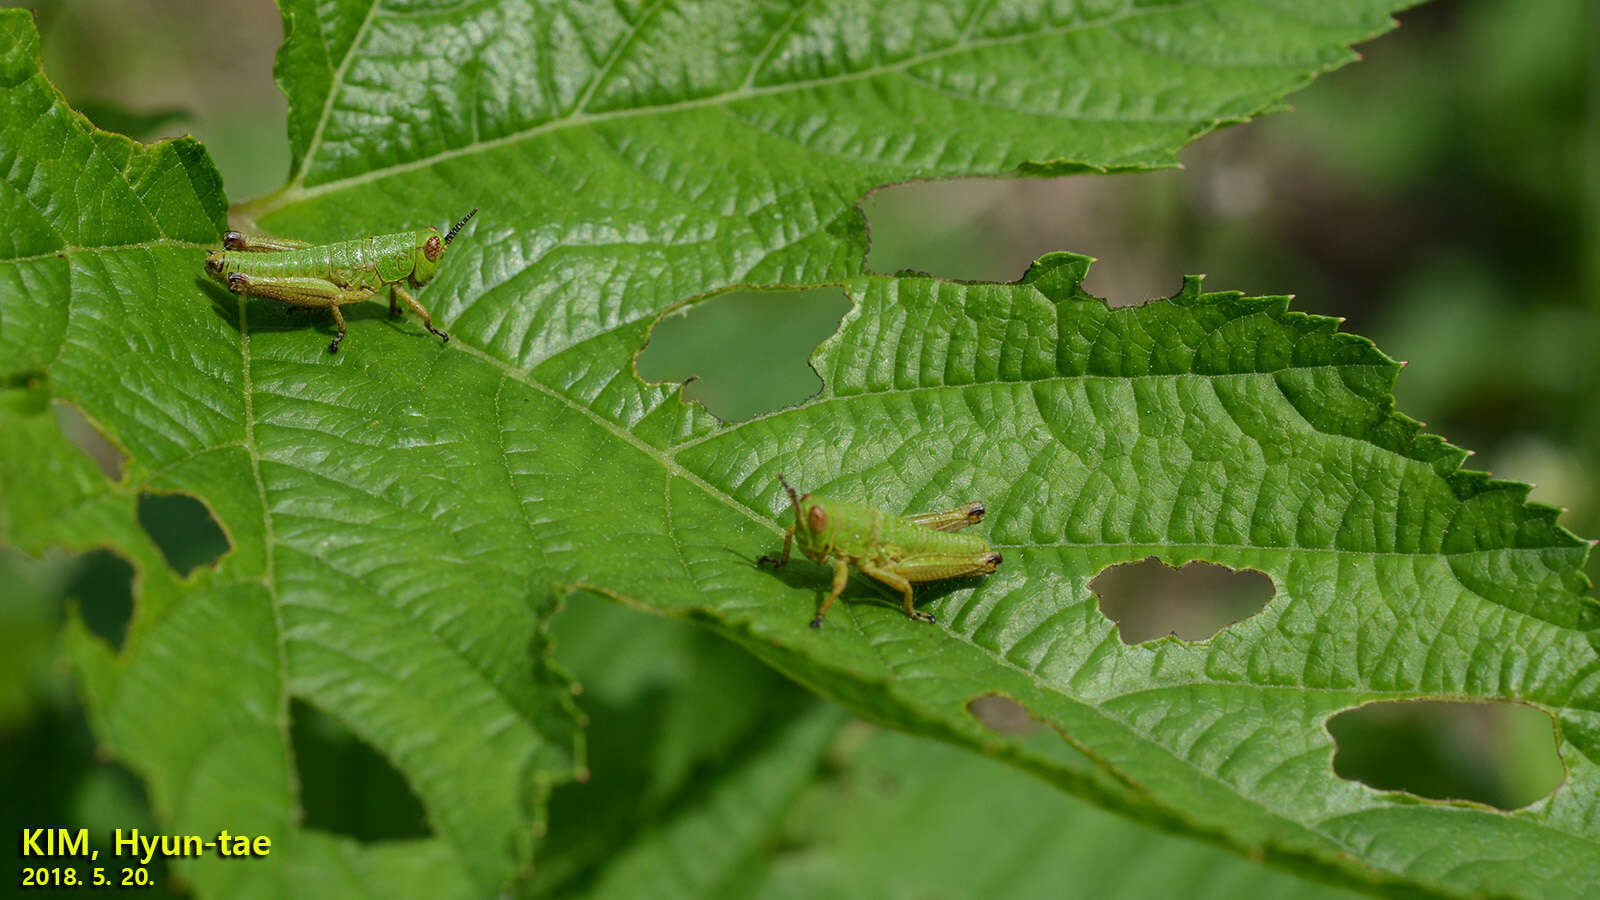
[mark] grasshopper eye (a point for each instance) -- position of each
(433, 248)
(817, 518)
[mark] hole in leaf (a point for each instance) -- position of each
(83, 434)
(103, 589)
(183, 528)
(1498, 753)
(961, 228)
(348, 788)
(1001, 714)
(144, 125)
(992, 229)
(1149, 599)
(749, 349)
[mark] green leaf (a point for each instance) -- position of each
(794, 807)
(898, 816)
(666, 705)
(103, 306)
(697, 750)
(1210, 426)
(401, 515)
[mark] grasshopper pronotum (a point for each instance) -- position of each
(333, 274)
(896, 550)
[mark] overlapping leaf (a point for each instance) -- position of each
(402, 514)
(801, 808)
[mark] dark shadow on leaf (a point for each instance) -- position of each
(223, 303)
(269, 315)
(802, 573)
(930, 591)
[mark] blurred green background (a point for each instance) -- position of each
(1442, 195)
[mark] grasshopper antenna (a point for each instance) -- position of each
(454, 231)
(793, 497)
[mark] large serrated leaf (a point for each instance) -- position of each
(1210, 426)
(400, 514)
(800, 808)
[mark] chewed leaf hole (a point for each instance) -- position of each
(747, 350)
(77, 428)
(102, 586)
(348, 788)
(1001, 714)
(1501, 754)
(184, 530)
(1149, 599)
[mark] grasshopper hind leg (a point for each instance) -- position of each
(234, 240)
(300, 291)
(338, 317)
(900, 583)
(953, 519)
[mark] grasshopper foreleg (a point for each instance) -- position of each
(783, 559)
(301, 292)
(841, 576)
(396, 290)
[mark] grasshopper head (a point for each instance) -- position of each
(425, 261)
(813, 526)
(430, 249)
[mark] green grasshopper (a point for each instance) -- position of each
(896, 550)
(334, 274)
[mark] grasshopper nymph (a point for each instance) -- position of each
(898, 551)
(334, 274)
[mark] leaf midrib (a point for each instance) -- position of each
(74, 249)
(268, 574)
(661, 457)
(335, 80)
